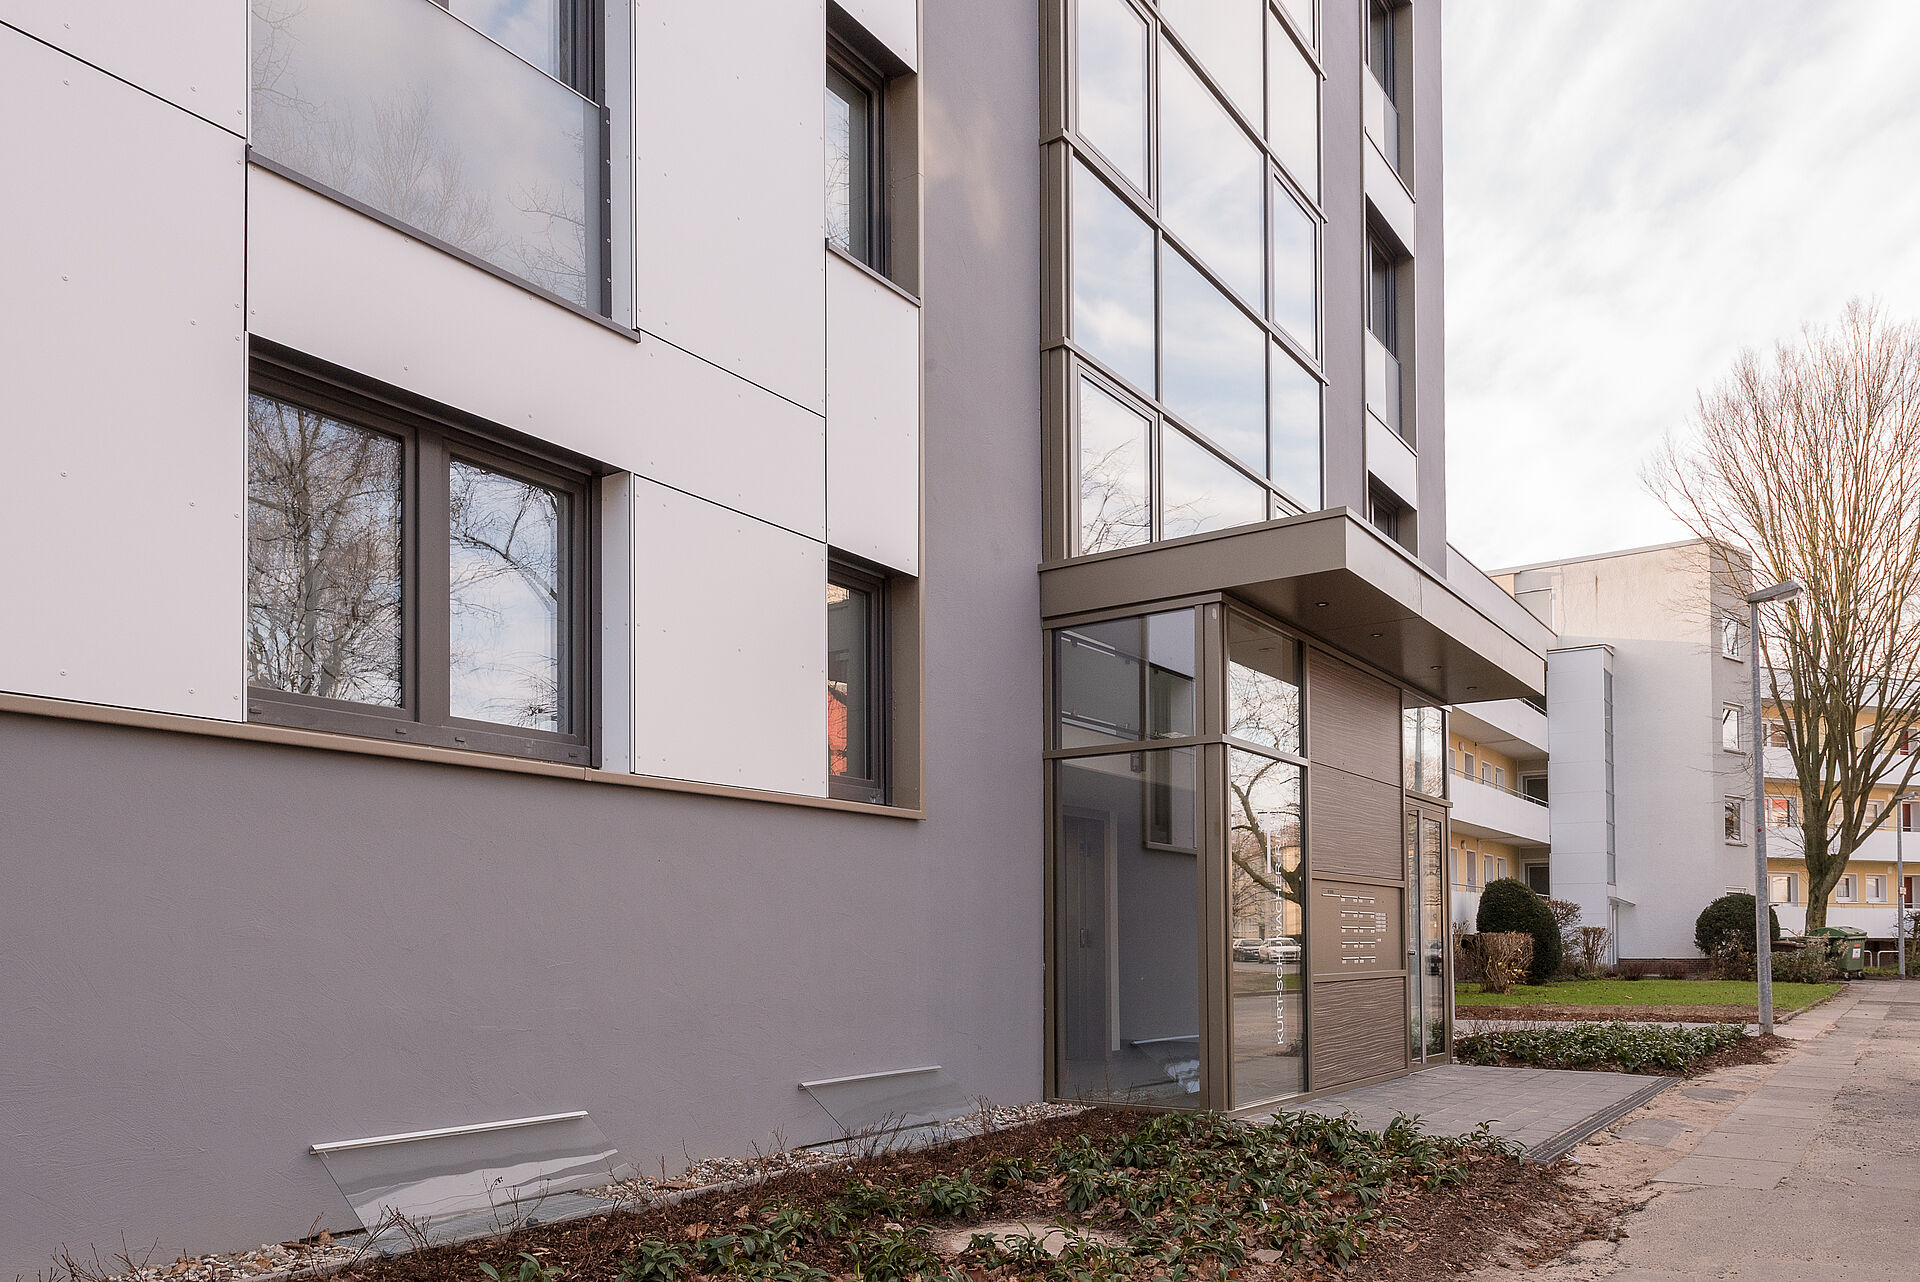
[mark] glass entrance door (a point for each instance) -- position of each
(1428, 967)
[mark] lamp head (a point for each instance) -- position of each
(1785, 590)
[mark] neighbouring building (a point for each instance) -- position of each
(454, 448)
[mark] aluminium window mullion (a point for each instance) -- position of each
(433, 580)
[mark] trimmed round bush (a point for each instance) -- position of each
(1509, 904)
(1729, 919)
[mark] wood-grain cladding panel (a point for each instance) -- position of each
(1353, 719)
(1354, 826)
(1358, 1030)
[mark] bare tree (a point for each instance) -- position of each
(1806, 465)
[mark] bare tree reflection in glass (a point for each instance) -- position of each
(323, 555)
(1114, 508)
(506, 600)
(1265, 875)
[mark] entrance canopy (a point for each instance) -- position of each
(1335, 578)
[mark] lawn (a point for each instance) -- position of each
(1645, 992)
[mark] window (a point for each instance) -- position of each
(1499, 777)
(1909, 740)
(1784, 888)
(1381, 43)
(1848, 891)
(479, 125)
(1539, 879)
(1877, 890)
(1534, 787)
(410, 580)
(1500, 867)
(1422, 734)
(1189, 223)
(1385, 271)
(1730, 633)
(1736, 829)
(856, 684)
(1382, 97)
(1486, 772)
(1486, 868)
(1468, 771)
(1730, 728)
(1783, 812)
(1389, 515)
(1909, 817)
(1776, 733)
(853, 157)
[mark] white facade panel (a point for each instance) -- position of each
(192, 53)
(462, 337)
(1480, 810)
(124, 368)
(1392, 461)
(616, 622)
(873, 419)
(730, 645)
(894, 23)
(728, 173)
(1388, 197)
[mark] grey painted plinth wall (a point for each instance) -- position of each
(214, 953)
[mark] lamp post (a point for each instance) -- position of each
(1785, 590)
(1900, 881)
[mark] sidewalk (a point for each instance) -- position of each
(1807, 1167)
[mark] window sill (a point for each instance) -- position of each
(872, 273)
(330, 741)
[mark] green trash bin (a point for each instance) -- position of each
(1846, 948)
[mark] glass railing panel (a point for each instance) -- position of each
(399, 105)
(1383, 384)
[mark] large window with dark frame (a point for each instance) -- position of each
(482, 126)
(855, 156)
(1190, 230)
(856, 684)
(411, 579)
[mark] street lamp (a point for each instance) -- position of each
(1785, 590)
(1900, 881)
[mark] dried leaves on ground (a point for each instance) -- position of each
(1100, 1194)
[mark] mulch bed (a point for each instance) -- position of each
(1504, 1209)
(1748, 1050)
(1609, 1014)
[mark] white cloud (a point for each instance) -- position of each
(1637, 189)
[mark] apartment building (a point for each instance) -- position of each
(1631, 793)
(411, 709)
(1877, 884)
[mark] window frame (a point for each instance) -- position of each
(843, 572)
(1731, 638)
(1867, 883)
(1734, 820)
(431, 439)
(862, 74)
(1847, 889)
(1791, 882)
(1733, 717)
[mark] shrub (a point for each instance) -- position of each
(1730, 916)
(1504, 956)
(1637, 968)
(1810, 966)
(1628, 1047)
(1466, 962)
(1509, 904)
(1731, 959)
(1590, 950)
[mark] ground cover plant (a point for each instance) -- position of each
(1646, 994)
(1171, 1196)
(1620, 1047)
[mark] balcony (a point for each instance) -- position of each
(1504, 814)
(1510, 726)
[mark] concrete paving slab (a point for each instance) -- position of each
(1775, 1146)
(1725, 1172)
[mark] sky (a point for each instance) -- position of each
(1635, 191)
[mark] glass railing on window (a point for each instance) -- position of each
(483, 142)
(1383, 384)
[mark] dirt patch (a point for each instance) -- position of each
(1496, 1209)
(1609, 1014)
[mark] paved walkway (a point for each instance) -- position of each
(1544, 1110)
(1807, 1168)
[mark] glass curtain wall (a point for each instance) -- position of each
(1178, 797)
(1424, 767)
(1193, 231)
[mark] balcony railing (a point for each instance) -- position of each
(1383, 385)
(1498, 787)
(1382, 119)
(400, 106)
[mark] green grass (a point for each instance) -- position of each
(1646, 992)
